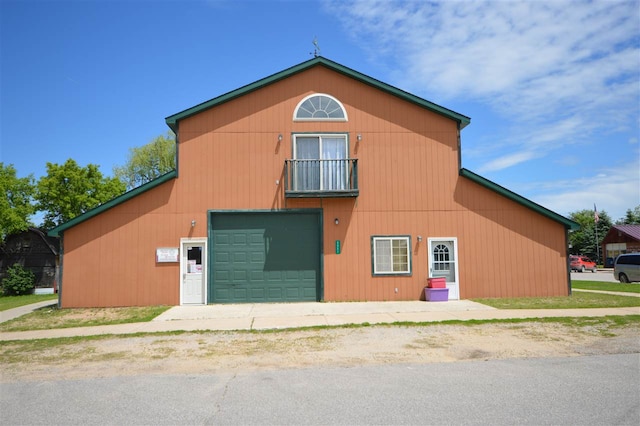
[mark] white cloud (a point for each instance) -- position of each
(613, 190)
(508, 161)
(556, 71)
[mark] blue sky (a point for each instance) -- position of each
(552, 88)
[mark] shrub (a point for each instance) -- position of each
(18, 281)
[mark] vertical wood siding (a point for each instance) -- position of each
(231, 159)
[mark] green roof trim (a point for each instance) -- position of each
(55, 232)
(569, 224)
(172, 120)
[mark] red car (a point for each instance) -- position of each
(582, 263)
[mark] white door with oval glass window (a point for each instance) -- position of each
(193, 273)
(443, 262)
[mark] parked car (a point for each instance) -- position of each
(582, 263)
(626, 269)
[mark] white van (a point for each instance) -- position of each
(626, 268)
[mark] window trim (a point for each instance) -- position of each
(295, 111)
(375, 272)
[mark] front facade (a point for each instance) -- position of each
(315, 184)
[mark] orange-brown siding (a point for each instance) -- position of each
(231, 159)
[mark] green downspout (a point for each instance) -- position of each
(566, 244)
(459, 148)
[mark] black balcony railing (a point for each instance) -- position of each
(321, 178)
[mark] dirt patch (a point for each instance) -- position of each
(214, 352)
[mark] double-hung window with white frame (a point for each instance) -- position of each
(320, 162)
(391, 255)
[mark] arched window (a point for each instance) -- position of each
(319, 107)
(441, 258)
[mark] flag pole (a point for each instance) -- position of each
(596, 219)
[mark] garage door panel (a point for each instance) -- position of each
(258, 293)
(294, 275)
(275, 294)
(265, 257)
(293, 292)
(239, 258)
(221, 239)
(239, 277)
(221, 275)
(240, 293)
(223, 294)
(256, 238)
(239, 240)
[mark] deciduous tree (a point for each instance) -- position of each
(149, 161)
(69, 190)
(16, 205)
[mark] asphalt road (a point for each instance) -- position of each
(606, 276)
(589, 390)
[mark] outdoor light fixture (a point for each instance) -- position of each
(336, 221)
(359, 137)
(193, 223)
(280, 137)
(419, 238)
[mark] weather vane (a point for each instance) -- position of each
(316, 47)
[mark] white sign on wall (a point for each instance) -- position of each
(167, 254)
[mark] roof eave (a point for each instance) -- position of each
(58, 230)
(569, 224)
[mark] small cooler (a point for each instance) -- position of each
(436, 282)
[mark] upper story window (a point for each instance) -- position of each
(320, 107)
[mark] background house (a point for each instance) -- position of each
(620, 239)
(315, 183)
(35, 251)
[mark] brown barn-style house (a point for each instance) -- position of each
(621, 239)
(317, 183)
(35, 252)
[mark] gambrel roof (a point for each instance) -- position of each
(173, 122)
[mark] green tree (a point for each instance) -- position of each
(631, 218)
(583, 241)
(16, 206)
(69, 190)
(149, 161)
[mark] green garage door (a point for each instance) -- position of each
(265, 257)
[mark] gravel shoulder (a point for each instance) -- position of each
(224, 352)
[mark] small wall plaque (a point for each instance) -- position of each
(167, 254)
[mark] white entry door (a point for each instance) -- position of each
(443, 262)
(193, 273)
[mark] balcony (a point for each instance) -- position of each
(321, 178)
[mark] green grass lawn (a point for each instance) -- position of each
(49, 318)
(606, 286)
(576, 301)
(10, 302)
